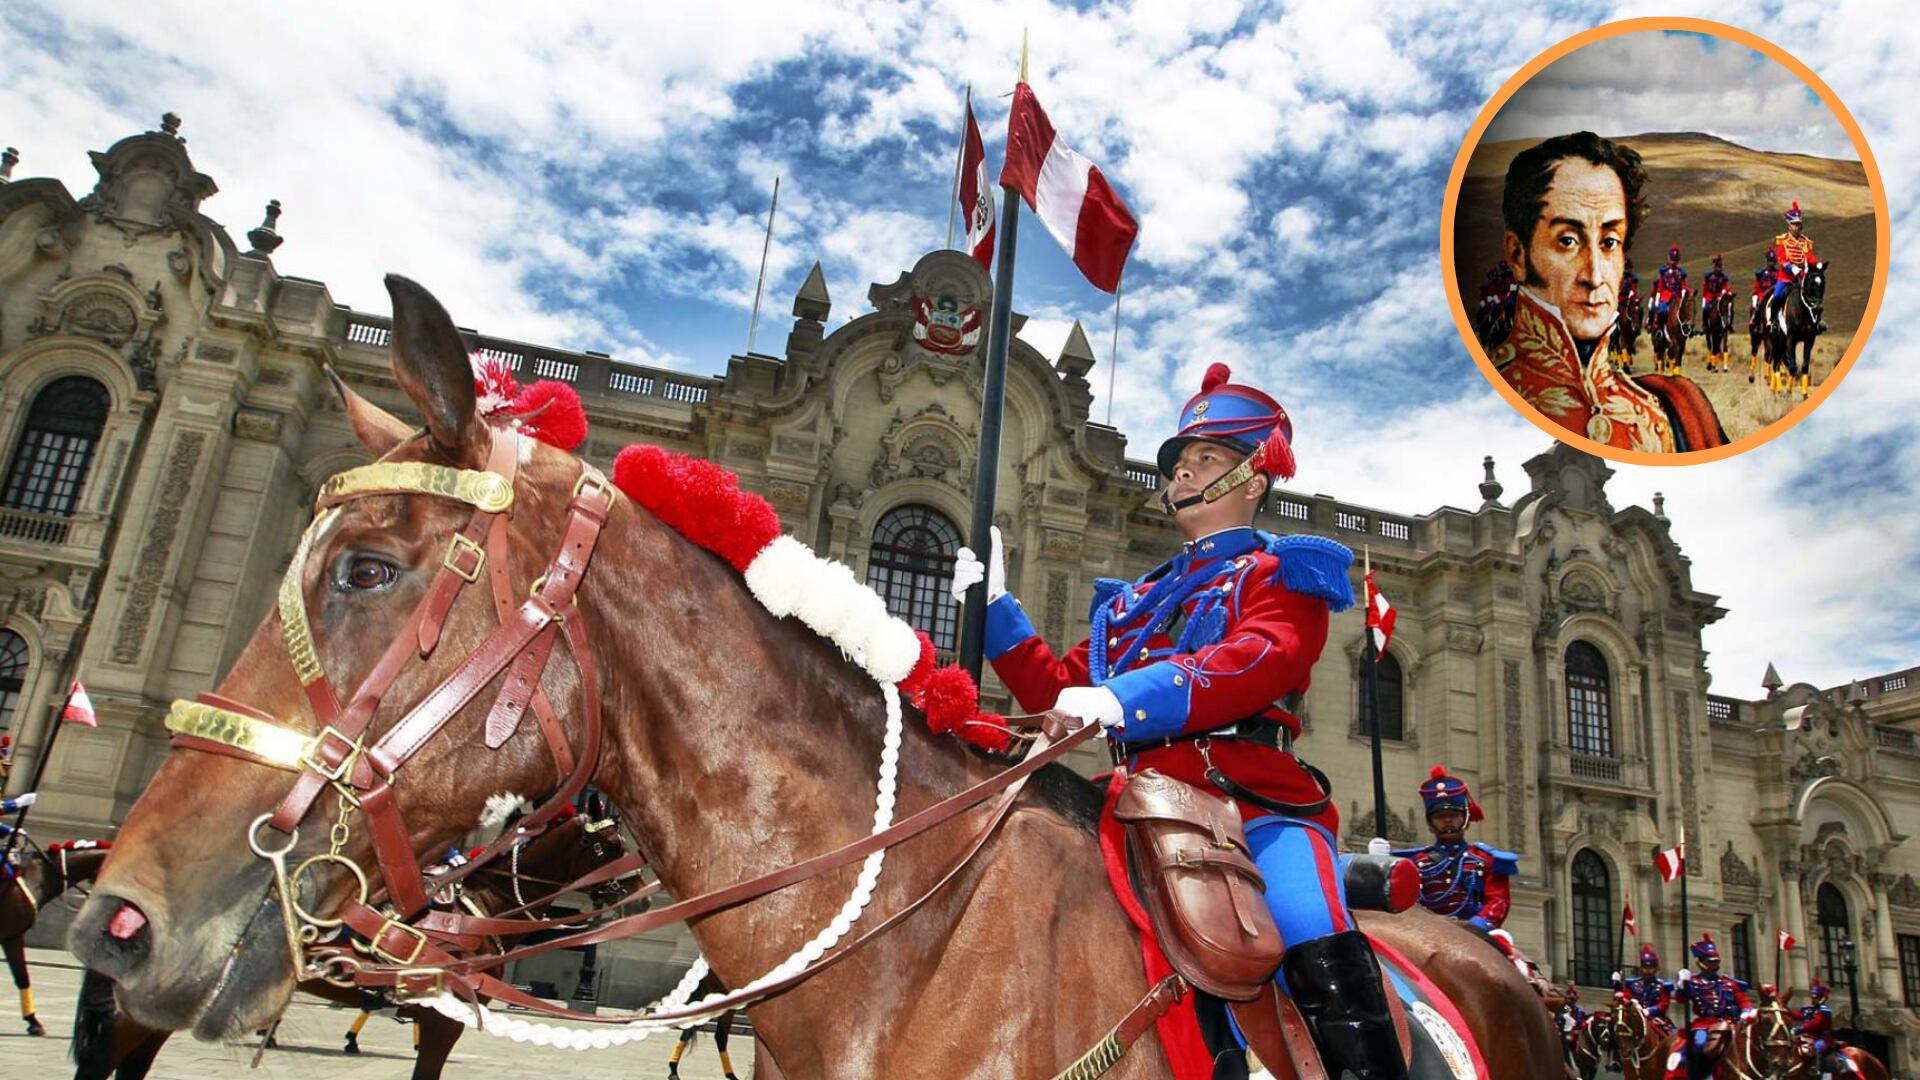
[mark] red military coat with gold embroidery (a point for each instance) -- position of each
(1652, 414)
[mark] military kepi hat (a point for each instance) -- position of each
(1444, 792)
(1241, 417)
(1705, 949)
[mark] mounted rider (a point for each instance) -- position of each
(1715, 284)
(1764, 280)
(1794, 251)
(1571, 1017)
(1460, 880)
(1814, 1022)
(1188, 670)
(1654, 993)
(1670, 283)
(1717, 1001)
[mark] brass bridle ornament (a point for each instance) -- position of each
(342, 754)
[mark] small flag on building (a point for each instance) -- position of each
(1671, 863)
(79, 707)
(976, 193)
(1068, 192)
(1627, 920)
(1380, 617)
(1787, 941)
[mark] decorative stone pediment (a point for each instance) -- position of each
(928, 444)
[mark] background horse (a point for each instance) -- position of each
(741, 743)
(106, 1043)
(1670, 333)
(1796, 323)
(1627, 322)
(1717, 322)
(1763, 1047)
(40, 877)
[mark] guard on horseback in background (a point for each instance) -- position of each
(1184, 670)
(1794, 251)
(1571, 1017)
(1715, 284)
(1764, 280)
(1814, 1022)
(1670, 284)
(1717, 1001)
(1458, 879)
(1654, 993)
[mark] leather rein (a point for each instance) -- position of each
(418, 951)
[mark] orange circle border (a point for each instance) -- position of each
(1882, 238)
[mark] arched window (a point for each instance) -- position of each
(13, 675)
(911, 565)
(1393, 723)
(63, 429)
(1593, 953)
(1589, 701)
(1830, 907)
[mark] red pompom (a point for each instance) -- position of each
(559, 419)
(1438, 771)
(948, 698)
(988, 731)
(1276, 456)
(1215, 376)
(922, 667)
(699, 500)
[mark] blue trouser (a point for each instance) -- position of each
(1780, 287)
(1305, 886)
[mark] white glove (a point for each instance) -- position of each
(23, 801)
(1748, 1014)
(1683, 976)
(1379, 846)
(1090, 705)
(968, 571)
(1616, 979)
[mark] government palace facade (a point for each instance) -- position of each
(165, 421)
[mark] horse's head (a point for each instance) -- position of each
(1764, 1044)
(563, 854)
(1814, 285)
(326, 734)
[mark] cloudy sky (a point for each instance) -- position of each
(600, 181)
(1675, 81)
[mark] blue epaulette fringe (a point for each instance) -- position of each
(1316, 566)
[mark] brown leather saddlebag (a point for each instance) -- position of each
(1201, 890)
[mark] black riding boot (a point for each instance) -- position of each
(1336, 982)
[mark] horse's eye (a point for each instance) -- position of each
(366, 573)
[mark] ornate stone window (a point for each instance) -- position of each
(1393, 722)
(51, 461)
(1593, 952)
(1910, 970)
(1589, 701)
(13, 675)
(911, 565)
(1830, 911)
(1742, 947)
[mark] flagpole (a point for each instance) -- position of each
(1113, 360)
(1372, 660)
(759, 285)
(1686, 935)
(1779, 962)
(973, 628)
(959, 162)
(1620, 950)
(40, 765)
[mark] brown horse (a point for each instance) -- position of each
(1670, 332)
(1717, 321)
(1763, 1047)
(106, 1043)
(1630, 1041)
(742, 743)
(1626, 330)
(39, 878)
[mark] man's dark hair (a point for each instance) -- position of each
(1531, 174)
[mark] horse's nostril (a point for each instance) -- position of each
(128, 921)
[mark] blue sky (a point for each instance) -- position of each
(598, 179)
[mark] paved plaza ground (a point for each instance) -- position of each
(310, 1040)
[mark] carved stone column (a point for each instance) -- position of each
(1794, 920)
(1887, 953)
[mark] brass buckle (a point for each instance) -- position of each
(552, 613)
(419, 943)
(412, 983)
(592, 478)
(458, 546)
(337, 772)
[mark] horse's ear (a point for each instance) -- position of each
(430, 362)
(377, 429)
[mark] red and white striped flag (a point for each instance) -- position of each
(1380, 617)
(976, 193)
(1627, 921)
(1671, 863)
(79, 707)
(1787, 941)
(1068, 192)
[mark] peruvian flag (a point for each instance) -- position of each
(976, 194)
(79, 706)
(1073, 199)
(1787, 941)
(1380, 617)
(1671, 863)
(1627, 922)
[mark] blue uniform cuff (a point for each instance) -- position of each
(1153, 704)
(1007, 626)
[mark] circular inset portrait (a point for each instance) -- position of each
(1665, 241)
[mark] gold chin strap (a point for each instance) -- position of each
(281, 747)
(1239, 474)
